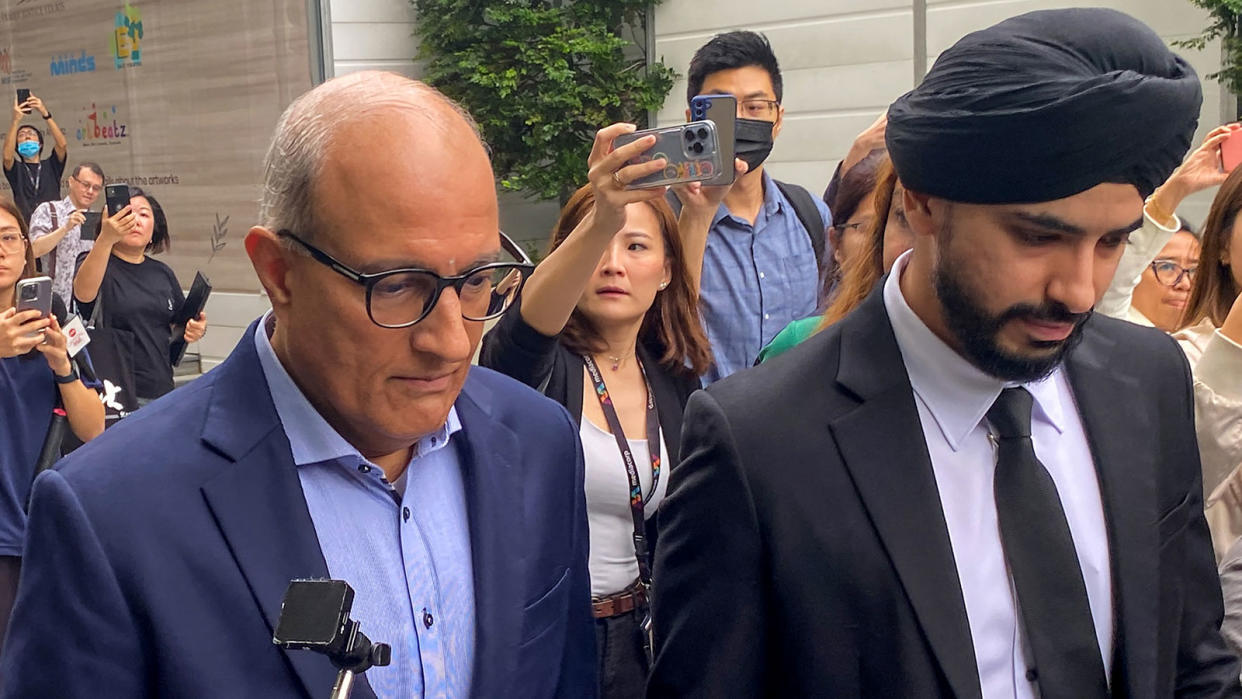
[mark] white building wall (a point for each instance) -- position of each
(844, 61)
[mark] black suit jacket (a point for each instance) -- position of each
(804, 551)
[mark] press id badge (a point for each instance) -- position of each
(76, 336)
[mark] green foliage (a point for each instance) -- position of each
(540, 77)
(1225, 26)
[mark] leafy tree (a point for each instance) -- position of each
(1226, 16)
(541, 77)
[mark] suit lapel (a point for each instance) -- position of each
(257, 500)
(1128, 491)
(882, 443)
(494, 502)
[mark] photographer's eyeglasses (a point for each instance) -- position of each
(95, 188)
(758, 109)
(12, 242)
(400, 298)
(1170, 273)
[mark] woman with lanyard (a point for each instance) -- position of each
(608, 326)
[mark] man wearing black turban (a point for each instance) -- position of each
(971, 486)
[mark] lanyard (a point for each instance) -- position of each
(631, 468)
(38, 176)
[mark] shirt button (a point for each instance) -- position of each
(428, 620)
(364, 469)
(405, 513)
(1032, 675)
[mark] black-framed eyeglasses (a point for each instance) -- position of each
(400, 298)
(1170, 273)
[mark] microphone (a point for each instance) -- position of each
(314, 615)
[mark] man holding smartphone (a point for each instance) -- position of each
(56, 227)
(761, 265)
(34, 179)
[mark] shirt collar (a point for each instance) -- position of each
(311, 438)
(957, 393)
(772, 201)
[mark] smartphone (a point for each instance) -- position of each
(117, 197)
(35, 294)
(90, 227)
(691, 150)
(23, 94)
(1231, 151)
(721, 110)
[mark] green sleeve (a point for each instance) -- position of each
(790, 337)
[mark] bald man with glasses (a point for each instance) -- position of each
(347, 436)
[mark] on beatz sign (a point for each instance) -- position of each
(164, 94)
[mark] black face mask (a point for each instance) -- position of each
(752, 141)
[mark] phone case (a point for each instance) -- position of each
(35, 294)
(721, 110)
(692, 151)
(117, 197)
(1231, 151)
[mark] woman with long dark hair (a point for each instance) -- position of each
(608, 326)
(139, 294)
(885, 235)
(36, 376)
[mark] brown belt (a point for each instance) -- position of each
(622, 602)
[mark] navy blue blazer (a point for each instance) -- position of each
(158, 555)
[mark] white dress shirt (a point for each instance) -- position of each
(953, 397)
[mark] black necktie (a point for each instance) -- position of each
(1051, 593)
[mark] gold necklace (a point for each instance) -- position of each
(616, 361)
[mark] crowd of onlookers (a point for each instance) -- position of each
(726, 518)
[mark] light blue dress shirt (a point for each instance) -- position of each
(407, 558)
(756, 279)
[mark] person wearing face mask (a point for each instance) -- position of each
(762, 261)
(609, 328)
(138, 293)
(34, 179)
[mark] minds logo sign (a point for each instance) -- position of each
(68, 64)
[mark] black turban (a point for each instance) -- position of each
(1044, 106)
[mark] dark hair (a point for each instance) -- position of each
(160, 240)
(7, 205)
(851, 189)
(38, 134)
(1214, 289)
(671, 328)
(88, 165)
(733, 50)
(863, 271)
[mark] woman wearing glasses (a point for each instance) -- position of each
(608, 326)
(35, 377)
(135, 293)
(1163, 290)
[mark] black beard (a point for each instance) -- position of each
(976, 330)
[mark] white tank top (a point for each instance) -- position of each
(612, 564)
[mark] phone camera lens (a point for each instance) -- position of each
(702, 133)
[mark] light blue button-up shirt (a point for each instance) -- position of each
(756, 279)
(407, 558)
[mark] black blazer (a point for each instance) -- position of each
(804, 551)
(517, 350)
